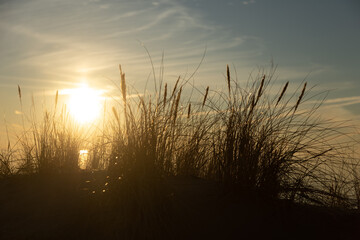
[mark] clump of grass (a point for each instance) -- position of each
(156, 128)
(254, 140)
(6, 160)
(153, 137)
(51, 145)
(267, 145)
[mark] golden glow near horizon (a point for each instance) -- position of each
(83, 157)
(84, 104)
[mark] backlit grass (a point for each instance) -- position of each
(256, 141)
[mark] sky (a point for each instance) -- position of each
(49, 45)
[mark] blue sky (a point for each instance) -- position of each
(47, 45)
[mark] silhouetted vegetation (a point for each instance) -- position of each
(160, 154)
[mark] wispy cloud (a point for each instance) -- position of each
(74, 40)
(55, 44)
(248, 2)
(342, 101)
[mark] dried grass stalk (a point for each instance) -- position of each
(300, 97)
(177, 82)
(19, 92)
(228, 78)
(282, 93)
(206, 94)
(177, 101)
(260, 88)
(116, 115)
(189, 111)
(165, 94)
(56, 98)
(123, 84)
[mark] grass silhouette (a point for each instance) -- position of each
(164, 163)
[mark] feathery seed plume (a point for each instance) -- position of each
(206, 94)
(56, 98)
(260, 90)
(165, 94)
(300, 97)
(177, 103)
(177, 81)
(19, 92)
(189, 110)
(282, 93)
(123, 84)
(228, 78)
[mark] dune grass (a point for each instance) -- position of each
(248, 138)
(256, 141)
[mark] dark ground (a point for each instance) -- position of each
(54, 207)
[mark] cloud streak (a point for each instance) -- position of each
(56, 44)
(248, 2)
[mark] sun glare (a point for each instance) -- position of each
(85, 104)
(83, 158)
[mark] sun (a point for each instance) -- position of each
(85, 104)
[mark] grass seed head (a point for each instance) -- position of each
(189, 110)
(300, 97)
(228, 78)
(19, 92)
(260, 92)
(122, 84)
(177, 104)
(205, 96)
(165, 94)
(177, 81)
(56, 98)
(282, 92)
